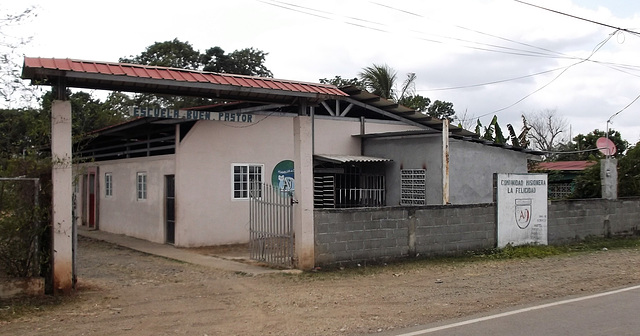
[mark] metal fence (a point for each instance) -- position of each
(271, 225)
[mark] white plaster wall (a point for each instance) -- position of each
(335, 136)
(122, 213)
(206, 212)
(77, 187)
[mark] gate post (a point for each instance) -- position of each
(303, 226)
(62, 179)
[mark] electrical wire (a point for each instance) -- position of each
(579, 18)
(598, 47)
(382, 27)
(544, 52)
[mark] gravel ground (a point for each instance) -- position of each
(124, 292)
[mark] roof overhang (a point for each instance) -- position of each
(339, 158)
(171, 81)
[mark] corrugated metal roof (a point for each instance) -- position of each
(401, 110)
(565, 165)
(153, 79)
(338, 158)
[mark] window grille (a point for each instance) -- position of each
(560, 190)
(243, 176)
(108, 185)
(349, 190)
(413, 187)
(141, 186)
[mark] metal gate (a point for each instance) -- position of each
(271, 225)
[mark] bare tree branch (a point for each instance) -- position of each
(546, 129)
(13, 90)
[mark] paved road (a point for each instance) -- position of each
(610, 313)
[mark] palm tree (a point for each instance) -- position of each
(379, 80)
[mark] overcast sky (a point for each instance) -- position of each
(485, 56)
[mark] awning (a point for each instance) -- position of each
(337, 158)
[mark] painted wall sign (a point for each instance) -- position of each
(522, 209)
(136, 111)
(283, 176)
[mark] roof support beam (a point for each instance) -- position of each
(385, 113)
(329, 109)
(256, 108)
(344, 113)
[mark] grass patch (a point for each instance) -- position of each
(589, 244)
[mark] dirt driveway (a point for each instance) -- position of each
(124, 292)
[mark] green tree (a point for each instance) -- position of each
(588, 185)
(17, 130)
(180, 54)
(341, 82)
(520, 140)
(87, 113)
(493, 132)
(248, 61)
(441, 110)
(629, 173)
(379, 80)
(417, 102)
(173, 54)
(583, 147)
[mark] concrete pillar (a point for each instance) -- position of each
(609, 178)
(303, 211)
(62, 179)
(445, 161)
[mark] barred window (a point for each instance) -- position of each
(141, 185)
(108, 184)
(413, 187)
(243, 176)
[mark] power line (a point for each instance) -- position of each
(547, 53)
(381, 27)
(492, 82)
(579, 18)
(467, 29)
(600, 45)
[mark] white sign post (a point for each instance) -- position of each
(522, 209)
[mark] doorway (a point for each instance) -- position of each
(170, 208)
(89, 198)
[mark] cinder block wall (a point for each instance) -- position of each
(573, 220)
(346, 236)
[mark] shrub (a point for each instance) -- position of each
(24, 217)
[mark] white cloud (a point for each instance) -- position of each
(438, 40)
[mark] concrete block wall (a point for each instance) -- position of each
(573, 220)
(453, 230)
(375, 234)
(353, 235)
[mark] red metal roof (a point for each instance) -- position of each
(565, 165)
(78, 73)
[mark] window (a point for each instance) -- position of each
(414, 187)
(243, 175)
(141, 185)
(108, 184)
